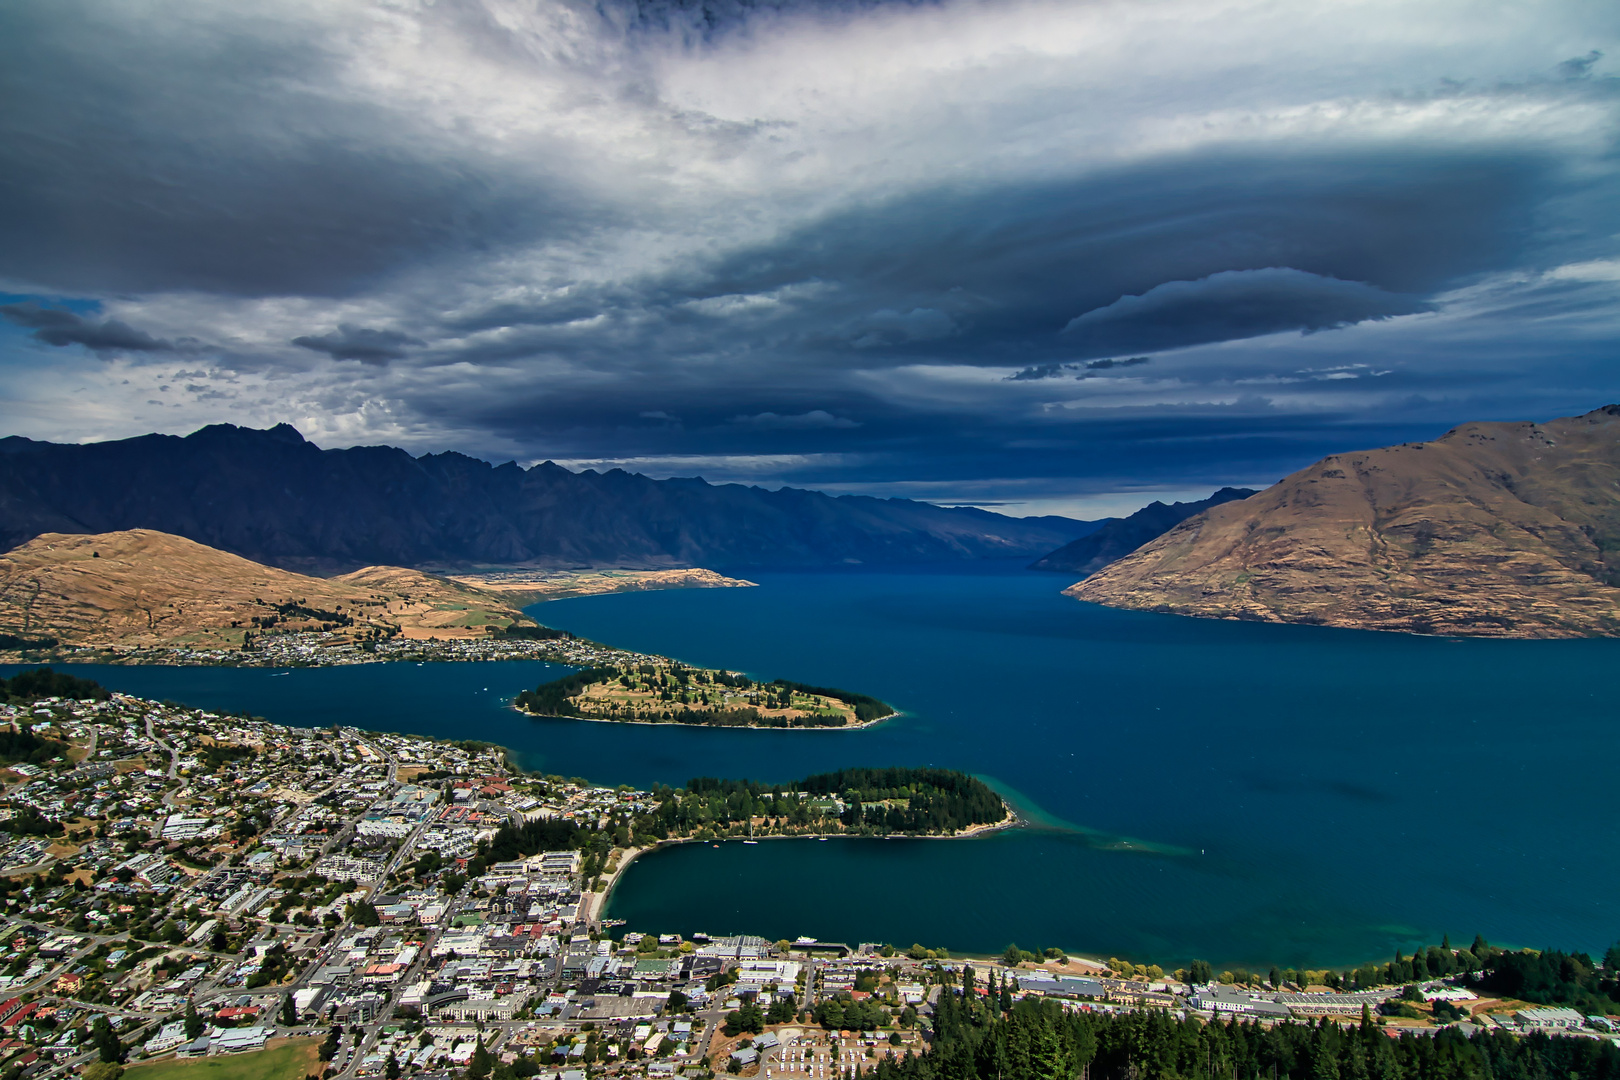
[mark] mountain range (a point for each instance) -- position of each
(1119, 537)
(1494, 529)
(276, 498)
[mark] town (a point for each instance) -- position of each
(323, 648)
(185, 884)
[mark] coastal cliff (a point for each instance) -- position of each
(1493, 530)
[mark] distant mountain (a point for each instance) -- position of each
(1121, 536)
(1494, 529)
(140, 588)
(273, 497)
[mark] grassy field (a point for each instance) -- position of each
(282, 1059)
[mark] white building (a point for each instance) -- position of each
(1550, 1018)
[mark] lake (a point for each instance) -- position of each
(1243, 793)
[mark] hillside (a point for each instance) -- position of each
(141, 588)
(275, 498)
(1494, 529)
(1121, 536)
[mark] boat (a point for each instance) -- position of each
(750, 841)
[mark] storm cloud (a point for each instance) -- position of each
(1020, 252)
(358, 343)
(1236, 304)
(58, 327)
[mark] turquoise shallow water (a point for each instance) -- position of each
(1244, 793)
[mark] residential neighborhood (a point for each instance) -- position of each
(189, 884)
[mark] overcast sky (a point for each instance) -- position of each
(1060, 257)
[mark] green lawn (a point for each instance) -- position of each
(283, 1059)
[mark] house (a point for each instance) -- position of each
(68, 983)
(18, 1016)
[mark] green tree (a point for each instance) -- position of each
(482, 1061)
(391, 1069)
(194, 1022)
(289, 1012)
(748, 1019)
(109, 1048)
(170, 933)
(1200, 972)
(782, 1010)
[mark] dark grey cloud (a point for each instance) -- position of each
(1327, 239)
(1235, 304)
(1579, 67)
(361, 343)
(136, 156)
(1040, 371)
(1086, 370)
(58, 326)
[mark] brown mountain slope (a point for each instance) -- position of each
(143, 588)
(1494, 529)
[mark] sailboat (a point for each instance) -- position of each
(750, 839)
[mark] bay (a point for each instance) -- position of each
(1244, 793)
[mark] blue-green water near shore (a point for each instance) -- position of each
(1239, 792)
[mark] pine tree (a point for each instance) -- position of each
(194, 1022)
(109, 1048)
(481, 1063)
(289, 1012)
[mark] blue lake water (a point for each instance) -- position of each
(1239, 792)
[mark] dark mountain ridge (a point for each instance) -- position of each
(272, 496)
(1121, 536)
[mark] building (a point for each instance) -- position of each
(1227, 999)
(1550, 1019)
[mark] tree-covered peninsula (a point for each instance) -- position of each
(667, 692)
(852, 802)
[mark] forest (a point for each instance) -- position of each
(36, 683)
(551, 698)
(1038, 1040)
(23, 746)
(1552, 977)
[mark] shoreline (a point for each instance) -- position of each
(859, 725)
(1010, 821)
